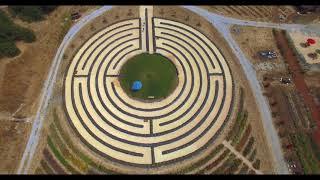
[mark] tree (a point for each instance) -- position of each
(313, 55)
(9, 33)
(31, 13)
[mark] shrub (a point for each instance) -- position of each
(248, 147)
(31, 13)
(8, 49)
(9, 33)
(256, 164)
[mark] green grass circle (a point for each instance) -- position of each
(157, 73)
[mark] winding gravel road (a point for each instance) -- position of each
(223, 25)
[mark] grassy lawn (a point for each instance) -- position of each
(157, 74)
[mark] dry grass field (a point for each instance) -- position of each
(21, 81)
(274, 14)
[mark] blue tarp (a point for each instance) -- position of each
(137, 85)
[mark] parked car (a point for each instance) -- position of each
(268, 54)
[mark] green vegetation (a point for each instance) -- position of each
(157, 74)
(252, 155)
(82, 166)
(39, 171)
(244, 138)
(9, 34)
(238, 128)
(226, 164)
(66, 25)
(46, 167)
(233, 167)
(302, 146)
(315, 148)
(76, 151)
(202, 161)
(241, 101)
(256, 164)
(235, 134)
(244, 169)
(31, 13)
(248, 147)
(216, 162)
(59, 156)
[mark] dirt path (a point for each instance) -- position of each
(299, 82)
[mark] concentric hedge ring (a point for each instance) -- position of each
(138, 133)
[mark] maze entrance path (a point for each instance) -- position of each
(143, 134)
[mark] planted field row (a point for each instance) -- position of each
(215, 163)
(60, 157)
(239, 127)
(76, 151)
(70, 157)
(246, 11)
(240, 120)
(202, 161)
(248, 147)
(244, 169)
(48, 157)
(226, 164)
(299, 110)
(244, 138)
(302, 147)
(63, 149)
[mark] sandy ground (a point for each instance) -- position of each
(298, 38)
(248, 43)
(21, 80)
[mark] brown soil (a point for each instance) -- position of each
(22, 78)
(13, 138)
(299, 82)
(247, 39)
(255, 13)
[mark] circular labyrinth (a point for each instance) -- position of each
(142, 134)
